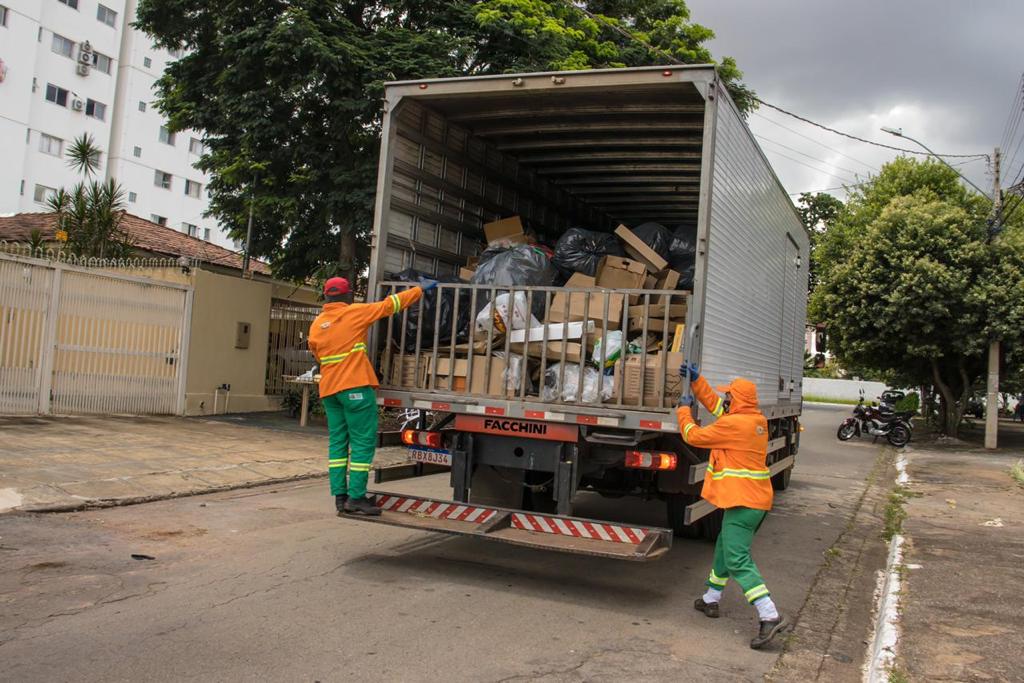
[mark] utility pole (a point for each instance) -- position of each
(992, 390)
(248, 230)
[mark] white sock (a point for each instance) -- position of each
(712, 595)
(766, 609)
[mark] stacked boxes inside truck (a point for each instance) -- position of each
(596, 318)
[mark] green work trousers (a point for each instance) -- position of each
(732, 553)
(352, 425)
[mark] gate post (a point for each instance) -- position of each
(186, 338)
(49, 345)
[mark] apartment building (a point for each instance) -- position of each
(69, 67)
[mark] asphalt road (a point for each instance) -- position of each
(267, 584)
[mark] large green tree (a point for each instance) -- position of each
(818, 210)
(913, 287)
(289, 93)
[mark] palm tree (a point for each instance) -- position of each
(90, 215)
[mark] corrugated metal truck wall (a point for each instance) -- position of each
(753, 317)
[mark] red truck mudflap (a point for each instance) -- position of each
(518, 527)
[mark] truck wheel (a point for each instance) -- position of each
(675, 506)
(780, 482)
(711, 525)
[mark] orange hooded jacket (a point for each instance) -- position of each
(337, 339)
(737, 475)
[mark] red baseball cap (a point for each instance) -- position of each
(335, 286)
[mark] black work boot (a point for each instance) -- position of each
(710, 609)
(767, 631)
(339, 503)
(361, 506)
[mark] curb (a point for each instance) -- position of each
(100, 503)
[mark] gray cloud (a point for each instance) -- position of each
(944, 71)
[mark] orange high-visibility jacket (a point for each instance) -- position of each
(337, 339)
(737, 475)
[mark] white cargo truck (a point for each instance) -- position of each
(501, 408)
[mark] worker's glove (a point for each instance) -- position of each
(427, 284)
(686, 401)
(691, 368)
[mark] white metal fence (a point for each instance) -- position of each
(75, 340)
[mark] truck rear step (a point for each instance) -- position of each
(517, 527)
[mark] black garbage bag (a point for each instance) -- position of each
(518, 266)
(656, 236)
(430, 301)
(580, 250)
(683, 254)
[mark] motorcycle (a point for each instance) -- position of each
(877, 421)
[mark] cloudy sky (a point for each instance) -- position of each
(944, 71)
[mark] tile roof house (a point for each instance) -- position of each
(148, 238)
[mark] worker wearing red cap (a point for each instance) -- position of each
(348, 386)
(738, 480)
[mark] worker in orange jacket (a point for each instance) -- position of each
(348, 386)
(738, 480)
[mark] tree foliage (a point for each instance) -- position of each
(912, 286)
(90, 214)
(289, 93)
(818, 210)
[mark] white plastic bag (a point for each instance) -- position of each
(613, 342)
(498, 314)
(591, 377)
(513, 374)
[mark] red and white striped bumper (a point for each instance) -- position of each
(517, 527)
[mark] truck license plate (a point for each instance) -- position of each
(429, 455)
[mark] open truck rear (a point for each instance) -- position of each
(594, 149)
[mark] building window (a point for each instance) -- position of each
(162, 179)
(43, 193)
(73, 4)
(51, 145)
(147, 62)
(190, 230)
(63, 46)
(106, 15)
(95, 109)
(159, 220)
(101, 62)
(132, 197)
(195, 145)
(166, 136)
(206, 234)
(56, 95)
(137, 152)
(142, 106)
(193, 189)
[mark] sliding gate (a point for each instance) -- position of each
(82, 341)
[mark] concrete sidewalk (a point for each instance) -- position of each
(963, 566)
(65, 463)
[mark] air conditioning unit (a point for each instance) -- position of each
(83, 69)
(77, 104)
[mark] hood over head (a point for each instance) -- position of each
(744, 395)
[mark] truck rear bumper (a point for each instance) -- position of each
(518, 527)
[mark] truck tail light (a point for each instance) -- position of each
(647, 460)
(411, 437)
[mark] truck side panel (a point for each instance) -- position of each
(755, 283)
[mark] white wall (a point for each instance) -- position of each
(25, 114)
(842, 388)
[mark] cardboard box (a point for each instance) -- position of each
(404, 371)
(653, 324)
(629, 374)
(457, 380)
(615, 272)
(466, 274)
(675, 311)
(573, 351)
(556, 312)
(505, 230)
(556, 332)
(639, 250)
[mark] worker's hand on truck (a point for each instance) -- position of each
(426, 284)
(691, 368)
(686, 401)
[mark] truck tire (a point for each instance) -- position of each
(675, 507)
(780, 482)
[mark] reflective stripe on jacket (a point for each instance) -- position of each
(337, 339)
(737, 474)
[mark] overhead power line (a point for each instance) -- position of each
(810, 139)
(813, 158)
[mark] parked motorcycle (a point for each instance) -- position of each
(877, 421)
